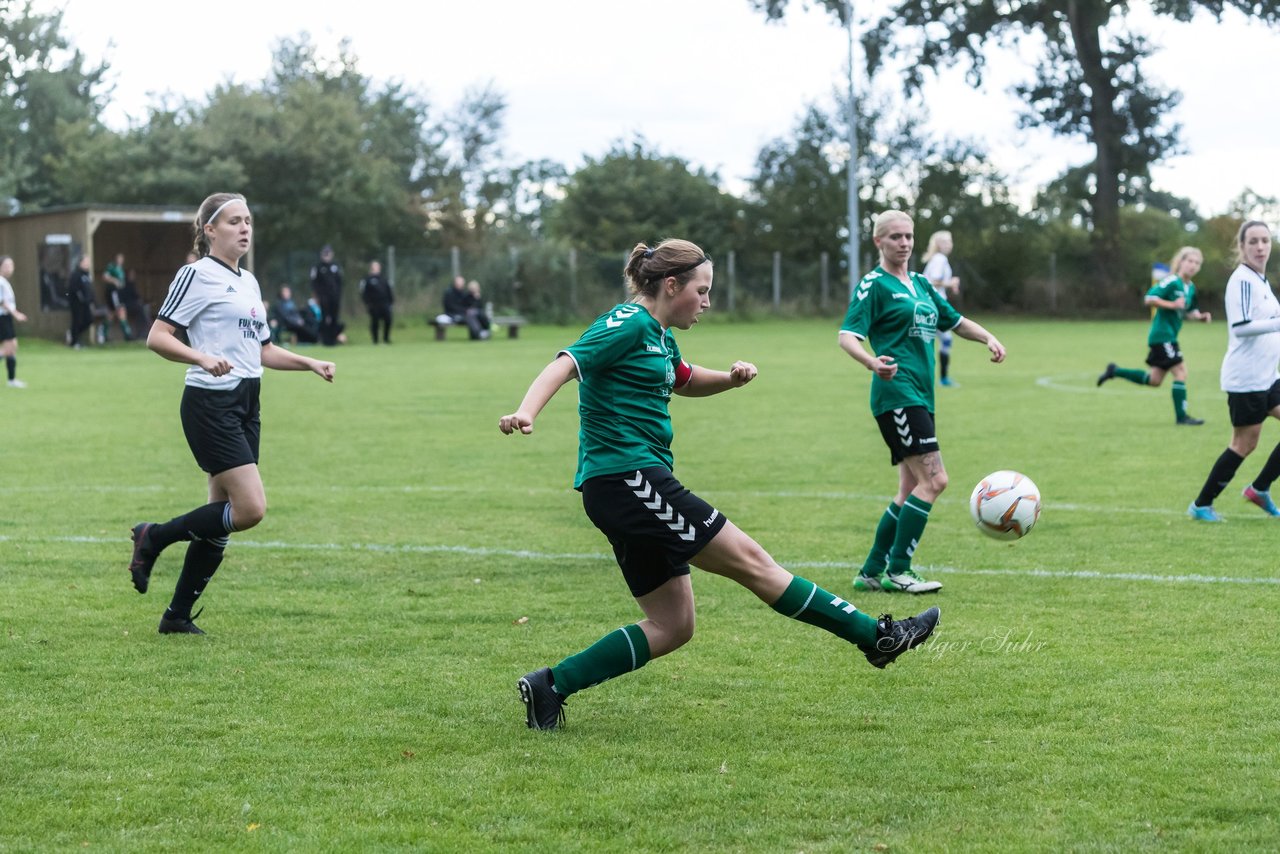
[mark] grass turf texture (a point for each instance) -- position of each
(1088, 688)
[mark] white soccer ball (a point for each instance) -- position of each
(1005, 505)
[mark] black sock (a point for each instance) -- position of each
(944, 360)
(1219, 476)
(1269, 472)
(210, 522)
(11, 362)
(201, 562)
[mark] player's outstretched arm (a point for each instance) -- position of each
(280, 359)
(972, 331)
(541, 390)
(704, 382)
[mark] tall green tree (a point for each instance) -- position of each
(44, 83)
(635, 193)
(1089, 81)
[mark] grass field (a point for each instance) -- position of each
(1108, 683)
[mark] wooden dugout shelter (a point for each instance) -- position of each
(46, 246)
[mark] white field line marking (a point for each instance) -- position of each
(560, 557)
(1088, 384)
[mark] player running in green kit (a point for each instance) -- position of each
(628, 366)
(1173, 299)
(899, 313)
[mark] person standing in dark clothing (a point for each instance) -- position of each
(80, 297)
(326, 286)
(378, 298)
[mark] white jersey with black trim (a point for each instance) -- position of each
(221, 310)
(1250, 363)
(6, 296)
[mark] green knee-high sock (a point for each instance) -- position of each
(807, 602)
(1133, 375)
(911, 522)
(1179, 400)
(879, 554)
(614, 654)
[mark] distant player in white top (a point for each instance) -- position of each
(8, 314)
(1249, 373)
(937, 269)
(218, 305)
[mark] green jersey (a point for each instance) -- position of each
(1167, 322)
(900, 319)
(626, 363)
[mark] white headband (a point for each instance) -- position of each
(210, 220)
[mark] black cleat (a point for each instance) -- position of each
(1108, 374)
(143, 561)
(894, 637)
(544, 708)
(180, 625)
(1188, 421)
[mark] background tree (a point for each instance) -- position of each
(1089, 81)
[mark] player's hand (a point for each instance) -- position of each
(324, 369)
(1206, 316)
(885, 367)
(215, 366)
(521, 421)
(1180, 303)
(19, 316)
(741, 373)
(996, 348)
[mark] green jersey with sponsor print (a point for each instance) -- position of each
(626, 363)
(1166, 323)
(900, 319)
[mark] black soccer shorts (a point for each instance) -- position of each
(222, 426)
(653, 522)
(909, 432)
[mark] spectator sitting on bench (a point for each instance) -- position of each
(287, 319)
(460, 307)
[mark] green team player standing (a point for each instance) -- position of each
(900, 314)
(1173, 299)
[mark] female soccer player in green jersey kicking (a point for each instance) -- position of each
(627, 364)
(1173, 299)
(900, 314)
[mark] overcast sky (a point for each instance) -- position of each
(707, 80)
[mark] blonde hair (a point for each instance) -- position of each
(204, 216)
(1181, 255)
(886, 219)
(647, 266)
(1244, 230)
(935, 240)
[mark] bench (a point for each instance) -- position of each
(512, 322)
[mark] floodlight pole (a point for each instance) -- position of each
(854, 275)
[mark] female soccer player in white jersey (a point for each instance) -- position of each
(1173, 299)
(1249, 375)
(628, 365)
(899, 313)
(937, 269)
(8, 314)
(218, 305)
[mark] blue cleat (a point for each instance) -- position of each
(1262, 499)
(1203, 514)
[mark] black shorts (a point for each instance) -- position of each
(908, 432)
(6, 328)
(654, 524)
(222, 427)
(1164, 356)
(1252, 407)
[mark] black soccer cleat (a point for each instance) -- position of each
(180, 625)
(143, 561)
(544, 707)
(1188, 421)
(1109, 373)
(894, 637)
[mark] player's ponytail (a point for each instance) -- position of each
(208, 211)
(648, 266)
